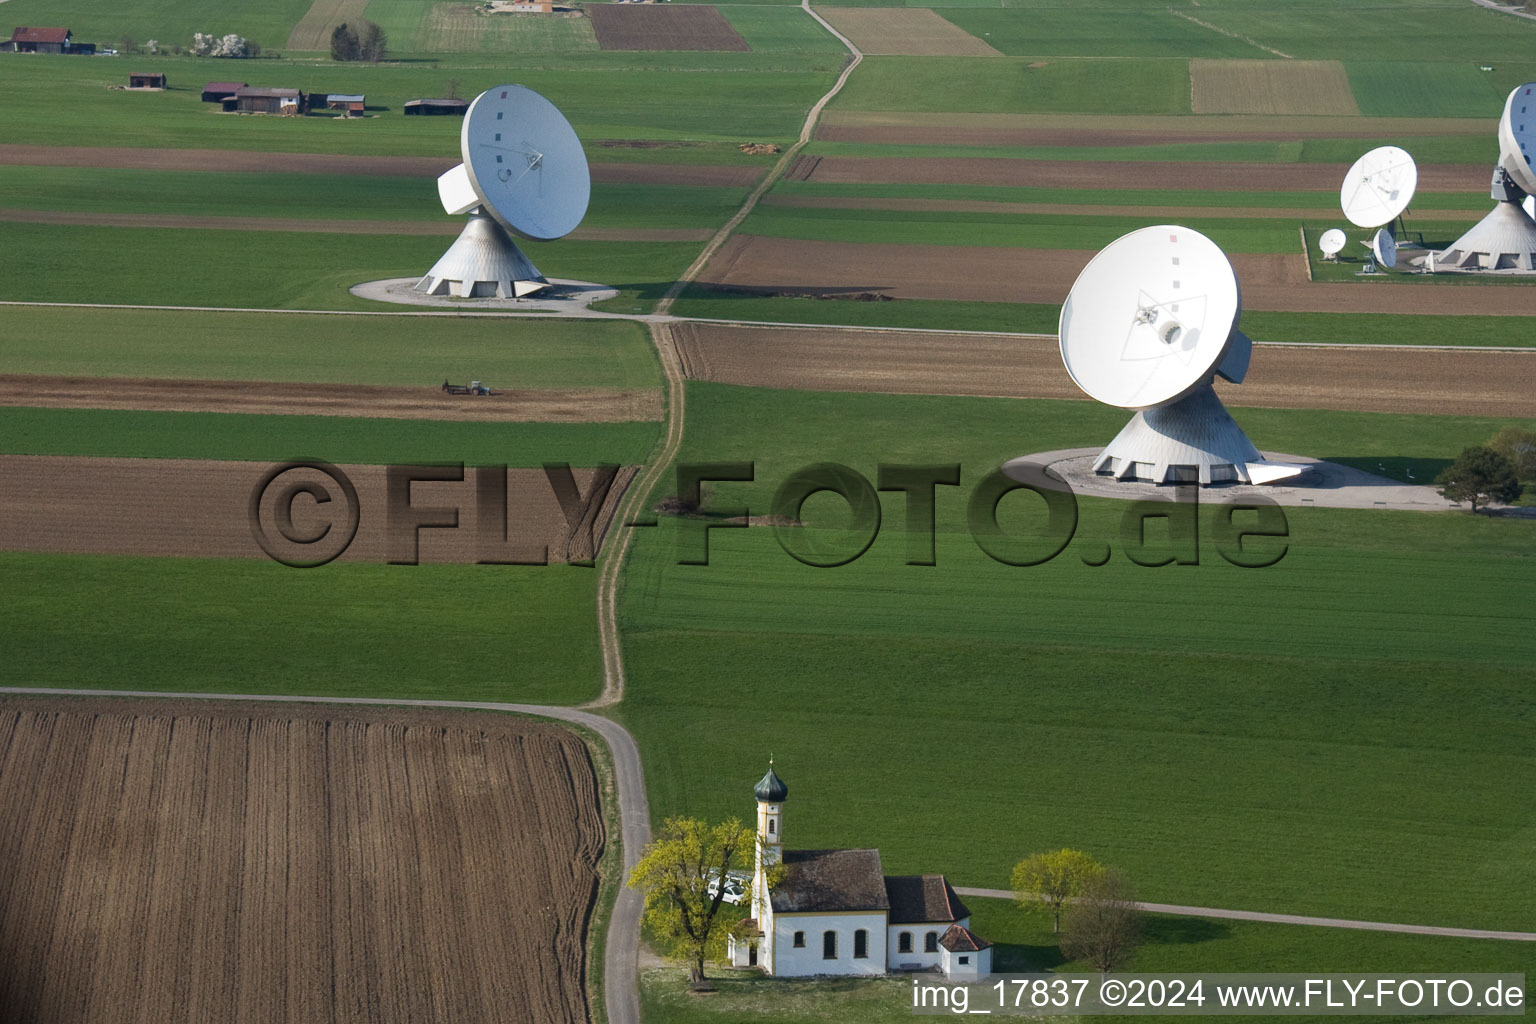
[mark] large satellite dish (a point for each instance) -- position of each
(1148, 325)
(1332, 242)
(1517, 136)
(1379, 187)
(1504, 240)
(524, 171)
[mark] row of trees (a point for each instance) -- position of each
(1491, 472)
(364, 41)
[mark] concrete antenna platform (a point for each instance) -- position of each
(483, 262)
(1505, 240)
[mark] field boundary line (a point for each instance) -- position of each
(633, 502)
(621, 982)
(1301, 919)
(1234, 35)
(1481, 3)
(806, 130)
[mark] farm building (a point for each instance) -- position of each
(146, 80)
(837, 912)
(218, 92)
(41, 40)
(436, 107)
(352, 104)
(262, 100)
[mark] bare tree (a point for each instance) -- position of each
(1102, 926)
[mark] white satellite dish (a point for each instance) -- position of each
(524, 171)
(1379, 187)
(1148, 325)
(1332, 242)
(1529, 206)
(1384, 248)
(1517, 136)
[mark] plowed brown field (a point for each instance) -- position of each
(173, 861)
(653, 27)
(985, 274)
(182, 507)
(1364, 379)
(570, 405)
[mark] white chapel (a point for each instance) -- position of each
(837, 912)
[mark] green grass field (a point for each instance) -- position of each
(334, 196)
(1033, 231)
(781, 29)
(1340, 31)
(136, 434)
(467, 632)
(728, 98)
(286, 270)
(1310, 720)
(1448, 149)
(1069, 31)
(989, 85)
(1024, 943)
(407, 351)
(172, 22)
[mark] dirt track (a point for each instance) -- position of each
(652, 27)
(984, 274)
(912, 128)
(571, 405)
(1367, 380)
(189, 508)
(1230, 176)
(181, 861)
(1172, 213)
(236, 160)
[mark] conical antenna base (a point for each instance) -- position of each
(1193, 440)
(1503, 240)
(483, 263)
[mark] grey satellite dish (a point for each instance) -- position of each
(1332, 242)
(1384, 248)
(1379, 187)
(1505, 239)
(1149, 324)
(524, 171)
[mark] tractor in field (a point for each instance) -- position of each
(474, 387)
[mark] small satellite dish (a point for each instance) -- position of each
(1332, 242)
(1384, 248)
(1378, 187)
(1150, 318)
(1149, 324)
(1517, 136)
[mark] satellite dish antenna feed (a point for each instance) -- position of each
(1149, 324)
(1332, 242)
(524, 172)
(1379, 187)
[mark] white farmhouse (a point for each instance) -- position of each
(837, 912)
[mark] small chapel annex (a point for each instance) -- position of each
(837, 912)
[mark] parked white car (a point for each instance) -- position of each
(735, 891)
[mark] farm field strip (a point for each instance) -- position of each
(963, 128)
(191, 824)
(1363, 379)
(909, 31)
(795, 267)
(1315, 87)
(373, 401)
(1147, 212)
(313, 31)
(652, 27)
(200, 509)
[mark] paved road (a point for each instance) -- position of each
(621, 986)
(1316, 922)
